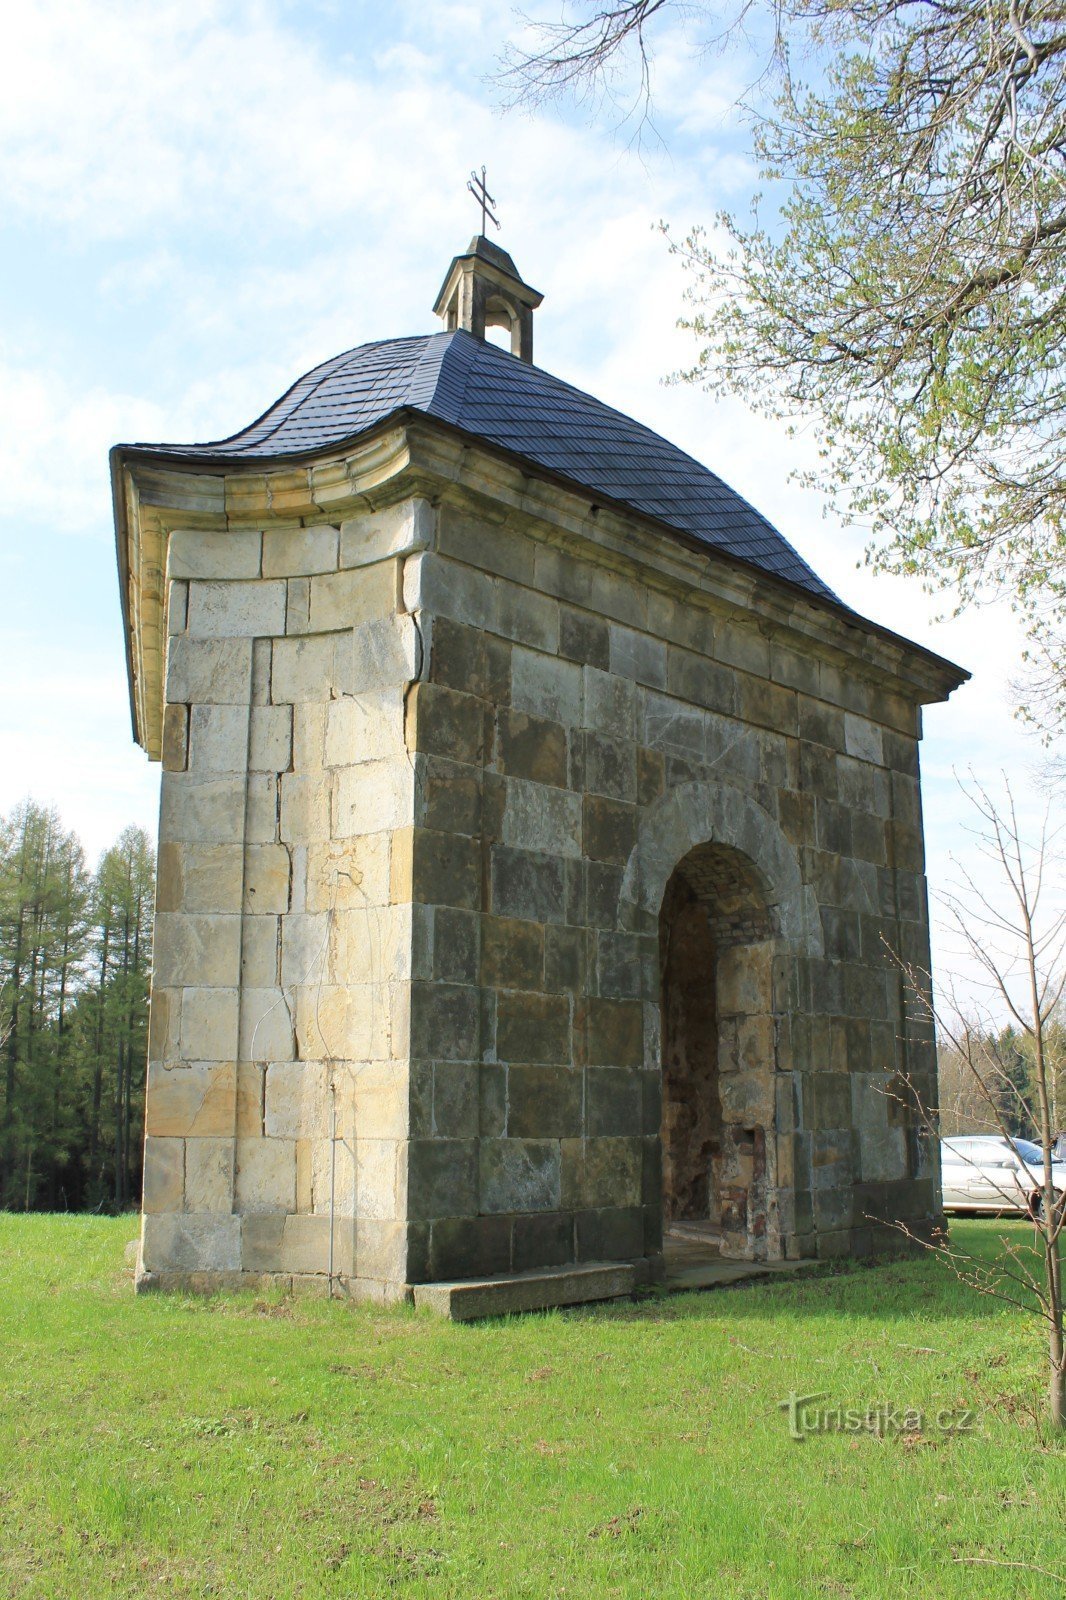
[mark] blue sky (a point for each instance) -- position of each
(202, 200)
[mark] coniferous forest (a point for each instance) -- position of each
(75, 964)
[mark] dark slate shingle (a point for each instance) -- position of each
(485, 392)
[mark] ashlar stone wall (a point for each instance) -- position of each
(580, 733)
(427, 774)
(277, 1078)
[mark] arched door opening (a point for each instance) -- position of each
(716, 943)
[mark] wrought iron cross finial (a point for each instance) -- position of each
(477, 188)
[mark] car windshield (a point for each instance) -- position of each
(1030, 1153)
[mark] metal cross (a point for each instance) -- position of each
(477, 188)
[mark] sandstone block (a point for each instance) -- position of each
(197, 951)
(448, 723)
(298, 1101)
(615, 1033)
(299, 552)
(236, 610)
(266, 1175)
(379, 1182)
(172, 1242)
(543, 819)
(218, 739)
(175, 755)
(394, 531)
(531, 747)
(209, 1024)
(611, 1233)
(441, 1178)
(384, 653)
(543, 1102)
(270, 742)
(164, 1017)
(547, 687)
(297, 1244)
(445, 870)
(671, 725)
(465, 658)
(528, 885)
(519, 1175)
(445, 588)
(208, 1174)
(349, 1022)
(302, 668)
(381, 1251)
(612, 1172)
(198, 810)
(306, 806)
(364, 727)
(267, 874)
(197, 1101)
(261, 808)
(609, 829)
(209, 671)
(211, 553)
(164, 1175)
(528, 617)
(346, 874)
(373, 796)
(638, 657)
(177, 607)
(744, 980)
(584, 638)
(346, 599)
(862, 739)
(379, 1092)
(533, 1028)
(614, 1101)
(485, 541)
(512, 953)
(261, 951)
(445, 1022)
(266, 1032)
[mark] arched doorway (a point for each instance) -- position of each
(716, 943)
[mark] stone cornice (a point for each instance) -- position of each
(416, 455)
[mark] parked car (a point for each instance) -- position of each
(990, 1173)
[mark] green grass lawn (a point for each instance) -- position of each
(249, 1446)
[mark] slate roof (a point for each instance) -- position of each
(481, 390)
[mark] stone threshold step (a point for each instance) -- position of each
(470, 1298)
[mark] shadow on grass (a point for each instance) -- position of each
(925, 1283)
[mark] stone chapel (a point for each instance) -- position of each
(535, 829)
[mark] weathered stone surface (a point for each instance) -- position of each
(205, 553)
(266, 1175)
(270, 742)
(347, 599)
(519, 1174)
(208, 1174)
(209, 671)
(164, 1175)
(209, 1024)
(533, 1027)
(298, 552)
(505, 1296)
(394, 531)
(175, 754)
(236, 610)
(174, 1242)
(190, 1101)
(194, 950)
